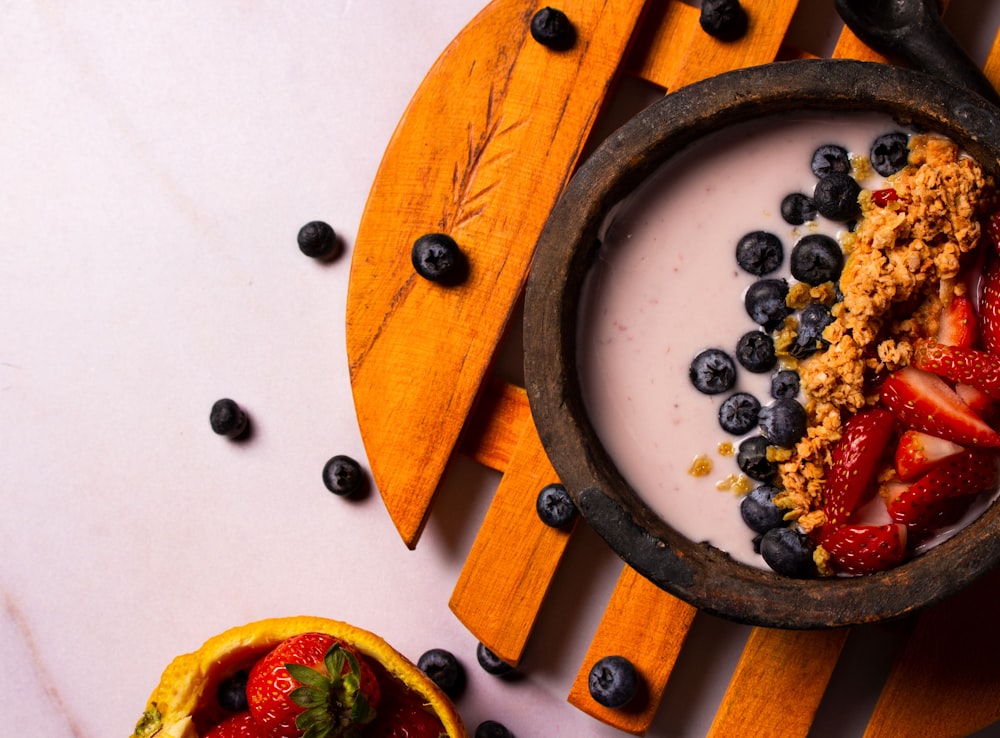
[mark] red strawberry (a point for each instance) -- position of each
(980, 369)
(855, 461)
(312, 685)
(989, 307)
(918, 452)
(240, 725)
(866, 549)
(959, 323)
(978, 401)
(925, 402)
(928, 498)
(406, 721)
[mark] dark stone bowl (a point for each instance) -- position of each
(697, 572)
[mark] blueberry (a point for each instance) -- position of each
(752, 459)
(759, 253)
(725, 20)
(318, 240)
(492, 729)
(783, 422)
(738, 413)
(227, 418)
(553, 29)
(830, 158)
(343, 476)
(491, 663)
(765, 302)
(816, 259)
(755, 351)
(785, 384)
(613, 681)
(759, 511)
(836, 197)
(232, 692)
(436, 257)
(890, 152)
(444, 670)
(812, 322)
(797, 209)
(555, 507)
(713, 371)
(788, 552)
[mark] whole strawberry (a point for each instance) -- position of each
(240, 725)
(312, 686)
(404, 720)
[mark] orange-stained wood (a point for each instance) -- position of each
(483, 151)
(945, 680)
(497, 422)
(666, 28)
(778, 683)
(647, 626)
(515, 555)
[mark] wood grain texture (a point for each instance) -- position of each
(648, 627)
(484, 149)
(778, 683)
(514, 557)
(495, 427)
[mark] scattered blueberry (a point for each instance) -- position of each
(836, 197)
(444, 670)
(759, 511)
(227, 418)
(491, 663)
(738, 413)
(725, 20)
(797, 209)
(889, 153)
(813, 319)
(816, 259)
(492, 729)
(783, 422)
(765, 302)
(788, 552)
(232, 692)
(713, 371)
(555, 507)
(613, 681)
(436, 257)
(318, 240)
(553, 29)
(829, 159)
(759, 253)
(755, 352)
(752, 459)
(785, 384)
(343, 476)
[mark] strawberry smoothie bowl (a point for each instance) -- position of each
(762, 342)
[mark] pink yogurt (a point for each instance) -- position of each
(666, 285)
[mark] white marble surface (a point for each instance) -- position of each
(156, 162)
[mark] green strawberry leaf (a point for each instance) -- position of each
(308, 677)
(309, 697)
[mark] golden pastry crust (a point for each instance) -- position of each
(901, 268)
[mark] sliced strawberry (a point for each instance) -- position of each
(924, 402)
(989, 307)
(918, 452)
(854, 462)
(866, 549)
(978, 401)
(959, 324)
(980, 369)
(969, 473)
(240, 725)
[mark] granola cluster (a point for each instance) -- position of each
(902, 264)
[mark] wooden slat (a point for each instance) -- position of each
(706, 56)
(647, 626)
(778, 683)
(482, 153)
(495, 427)
(946, 679)
(667, 27)
(514, 557)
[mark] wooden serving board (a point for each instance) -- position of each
(482, 153)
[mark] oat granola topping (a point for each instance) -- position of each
(901, 265)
